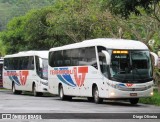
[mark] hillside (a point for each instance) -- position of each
(13, 8)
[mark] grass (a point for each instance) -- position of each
(154, 100)
(2, 88)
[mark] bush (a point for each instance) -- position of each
(157, 78)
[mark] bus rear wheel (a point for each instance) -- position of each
(134, 101)
(96, 97)
(90, 99)
(14, 89)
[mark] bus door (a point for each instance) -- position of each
(29, 73)
(104, 71)
(1, 74)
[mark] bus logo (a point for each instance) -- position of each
(19, 78)
(23, 77)
(64, 75)
(129, 84)
(80, 75)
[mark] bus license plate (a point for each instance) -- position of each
(133, 94)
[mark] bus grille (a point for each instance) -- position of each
(134, 89)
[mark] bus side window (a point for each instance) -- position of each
(38, 68)
(30, 62)
(6, 63)
(90, 57)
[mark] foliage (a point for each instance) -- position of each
(126, 7)
(14, 8)
(157, 78)
(69, 21)
(4, 14)
(2, 47)
(65, 22)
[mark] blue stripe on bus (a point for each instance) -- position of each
(67, 77)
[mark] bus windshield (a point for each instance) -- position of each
(131, 66)
(45, 69)
(42, 67)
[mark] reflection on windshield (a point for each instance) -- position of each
(45, 69)
(134, 66)
(42, 68)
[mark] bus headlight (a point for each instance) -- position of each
(44, 83)
(112, 93)
(151, 93)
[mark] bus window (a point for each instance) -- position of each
(42, 67)
(31, 63)
(103, 64)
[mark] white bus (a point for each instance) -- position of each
(1, 70)
(101, 68)
(26, 71)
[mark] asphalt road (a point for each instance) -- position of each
(52, 107)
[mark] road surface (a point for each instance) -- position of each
(52, 107)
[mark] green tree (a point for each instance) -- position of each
(74, 21)
(126, 7)
(14, 8)
(13, 36)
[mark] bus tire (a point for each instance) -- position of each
(96, 97)
(14, 89)
(35, 93)
(61, 93)
(68, 98)
(90, 99)
(134, 101)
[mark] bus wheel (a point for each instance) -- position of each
(68, 98)
(14, 89)
(90, 99)
(34, 90)
(35, 93)
(97, 99)
(61, 93)
(134, 101)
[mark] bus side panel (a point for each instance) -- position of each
(53, 86)
(103, 87)
(76, 81)
(52, 82)
(21, 78)
(92, 77)
(7, 83)
(26, 78)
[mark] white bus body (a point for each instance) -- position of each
(101, 68)
(1, 71)
(26, 71)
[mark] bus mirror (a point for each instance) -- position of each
(155, 56)
(5, 67)
(108, 58)
(40, 62)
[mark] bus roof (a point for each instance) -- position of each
(42, 54)
(109, 43)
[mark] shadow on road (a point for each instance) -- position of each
(77, 99)
(105, 102)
